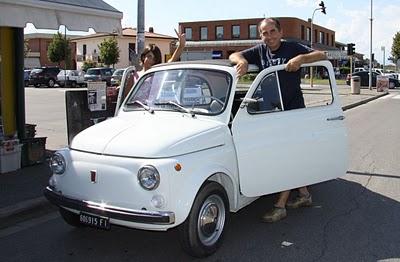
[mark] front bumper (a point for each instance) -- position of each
(129, 215)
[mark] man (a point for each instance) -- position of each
(274, 51)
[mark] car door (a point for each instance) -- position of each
(280, 149)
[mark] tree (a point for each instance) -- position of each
(59, 50)
(88, 64)
(27, 49)
(396, 47)
(109, 51)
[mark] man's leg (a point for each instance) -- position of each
(303, 200)
(278, 212)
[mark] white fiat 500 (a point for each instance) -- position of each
(189, 144)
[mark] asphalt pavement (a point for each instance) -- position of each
(21, 192)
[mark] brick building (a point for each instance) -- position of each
(38, 44)
(218, 39)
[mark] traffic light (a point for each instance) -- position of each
(323, 8)
(351, 49)
(372, 57)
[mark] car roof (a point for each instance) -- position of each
(217, 62)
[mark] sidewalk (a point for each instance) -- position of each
(21, 192)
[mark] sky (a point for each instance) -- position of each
(349, 19)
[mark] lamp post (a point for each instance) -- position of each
(323, 10)
(383, 64)
(370, 53)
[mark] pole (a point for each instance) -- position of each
(65, 56)
(383, 68)
(311, 46)
(370, 52)
(140, 38)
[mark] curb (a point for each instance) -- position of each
(350, 106)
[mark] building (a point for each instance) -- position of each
(87, 46)
(218, 39)
(38, 44)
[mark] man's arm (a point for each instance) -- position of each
(295, 63)
(241, 63)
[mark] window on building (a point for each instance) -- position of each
(236, 31)
(132, 51)
(332, 40)
(315, 36)
(188, 33)
(253, 31)
(321, 38)
(327, 39)
(203, 33)
(84, 52)
(308, 34)
(219, 32)
(302, 32)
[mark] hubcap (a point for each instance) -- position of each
(211, 220)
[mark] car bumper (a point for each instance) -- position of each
(113, 212)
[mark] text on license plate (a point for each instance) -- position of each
(94, 221)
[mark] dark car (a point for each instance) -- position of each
(99, 74)
(364, 77)
(44, 76)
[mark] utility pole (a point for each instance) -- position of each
(370, 52)
(383, 63)
(140, 37)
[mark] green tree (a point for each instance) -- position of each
(396, 47)
(88, 64)
(109, 51)
(59, 50)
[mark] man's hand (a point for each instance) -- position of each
(242, 67)
(181, 38)
(294, 64)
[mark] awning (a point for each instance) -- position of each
(76, 15)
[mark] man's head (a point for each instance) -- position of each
(270, 32)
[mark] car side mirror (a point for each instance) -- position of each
(248, 102)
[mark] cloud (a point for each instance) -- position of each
(298, 3)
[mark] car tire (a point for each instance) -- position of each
(51, 82)
(202, 232)
(73, 84)
(391, 85)
(36, 85)
(70, 218)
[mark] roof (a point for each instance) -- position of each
(76, 15)
(128, 32)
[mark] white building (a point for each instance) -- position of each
(87, 47)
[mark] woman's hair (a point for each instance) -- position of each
(156, 52)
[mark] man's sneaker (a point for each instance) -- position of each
(300, 201)
(274, 215)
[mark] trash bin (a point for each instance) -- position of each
(355, 85)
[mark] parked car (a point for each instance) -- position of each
(44, 76)
(359, 69)
(70, 78)
(117, 76)
(26, 77)
(187, 146)
(364, 78)
(99, 74)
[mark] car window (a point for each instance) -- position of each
(267, 95)
(202, 91)
(93, 72)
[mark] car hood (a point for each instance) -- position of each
(148, 135)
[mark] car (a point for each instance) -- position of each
(364, 79)
(359, 69)
(188, 145)
(44, 76)
(26, 77)
(99, 74)
(72, 78)
(117, 76)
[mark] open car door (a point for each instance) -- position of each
(127, 83)
(280, 149)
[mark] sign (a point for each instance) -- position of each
(96, 95)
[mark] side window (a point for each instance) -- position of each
(319, 93)
(267, 97)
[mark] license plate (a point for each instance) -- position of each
(95, 221)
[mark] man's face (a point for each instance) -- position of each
(270, 35)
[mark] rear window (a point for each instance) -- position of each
(93, 72)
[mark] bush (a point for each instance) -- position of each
(88, 64)
(344, 70)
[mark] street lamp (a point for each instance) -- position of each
(370, 52)
(383, 50)
(323, 10)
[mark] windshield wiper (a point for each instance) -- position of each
(178, 106)
(146, 107)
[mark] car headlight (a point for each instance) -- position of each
(58, 164)
(148, 177)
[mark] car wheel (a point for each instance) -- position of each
(70, 218)
(202, 232)
(51, 83)
(73, 84)
(37, 85)
(26, 83)
(391, 85)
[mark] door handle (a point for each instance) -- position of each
(335, 118)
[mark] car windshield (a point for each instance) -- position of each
(119, 72)
(93, 72)
(197, 91)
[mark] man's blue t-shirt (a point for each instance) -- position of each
(263, 57)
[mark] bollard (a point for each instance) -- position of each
(355, 85)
